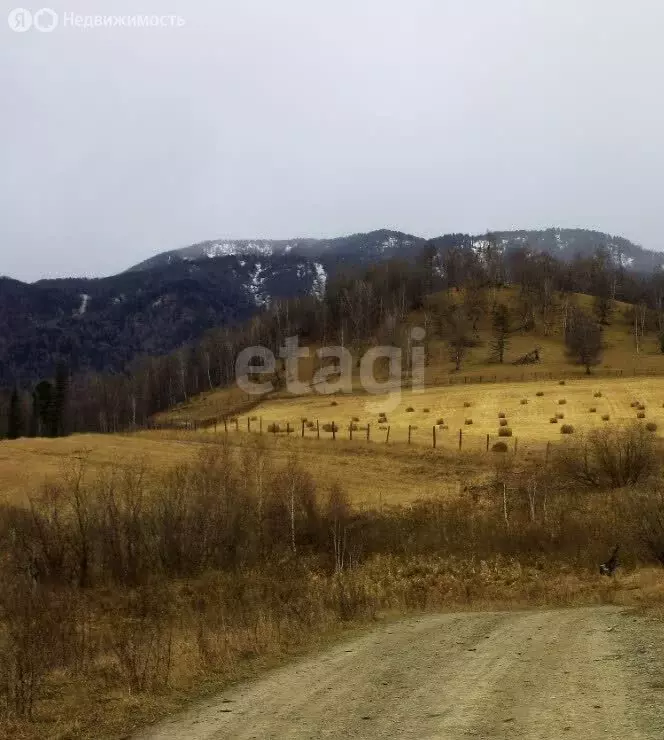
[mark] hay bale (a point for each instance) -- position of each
(605, 417)
(567, 429)
(502, 422)
(330, 427)
(499, 447)
(504, 432)
(355, 418)
(592, 410)
(562, 401)
(468, 422)
(651, 426)
(641, 415)
(524, 401)
(467, 404)
(334, 403)
(560, 415)
(501, 415)
(274, 428)
(539, 393)
(561, 382)
(410, 410)
(426, 411)
(440, 422)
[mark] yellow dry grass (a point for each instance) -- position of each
(373, 475)
(530, 422)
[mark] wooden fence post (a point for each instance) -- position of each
(387, 436)
(368, 431)
(334, 431)
(302, 428)
(317, 429)
(409, 427)
(460, 439)
(548, 449)
(350, 431)
(434, 436)
(237, 424)
(487, 442)
(260, 425)
(225, 425)
(248, 424)
(516, 444)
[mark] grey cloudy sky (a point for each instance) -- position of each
(281, 118)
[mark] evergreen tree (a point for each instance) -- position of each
(15, 420)
(501, 330)
(42, 400)
(60, 399)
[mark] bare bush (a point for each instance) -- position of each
(553, 420)
(611, 457)
(468, 422)
(502, 422)
(567, 429)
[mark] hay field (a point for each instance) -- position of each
(529, 421)
(373, 475)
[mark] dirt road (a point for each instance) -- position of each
(580, 673)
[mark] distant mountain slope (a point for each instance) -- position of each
(172, 298)
(357, 248)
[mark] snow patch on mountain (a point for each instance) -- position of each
(320, 281)
(85, 301)
(257, 284)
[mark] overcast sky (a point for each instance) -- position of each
(283, 118)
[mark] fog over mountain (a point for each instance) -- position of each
(297, 119)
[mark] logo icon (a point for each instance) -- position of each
(20, 20)
(45, 20)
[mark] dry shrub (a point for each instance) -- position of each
(440, 422)
(468, 422)
(567, 429)
(410, 410)
(605, 417)
(560, 415)
(504, 432)
(651, 426)
(356, 418)
(274, 428)
(561, 382)
(539, 393)
(499, 447)
(330, 427)
(503, 422)
(641, 415)
(611, 457)
(467, 404)
(553, 420)
(524, 401)
(334, 403)
(562, 401)
(597, 394)
(592, 410)
(426, 411)
(641, 407)
(634, 404)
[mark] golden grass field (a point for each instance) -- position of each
(529, 421)
(373, 473)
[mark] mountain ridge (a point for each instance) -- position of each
(160, 304)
